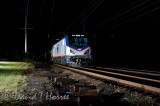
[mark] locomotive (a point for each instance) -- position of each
(72, 50)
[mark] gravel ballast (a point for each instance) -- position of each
(48, 81)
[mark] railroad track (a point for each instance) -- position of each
(142, 79)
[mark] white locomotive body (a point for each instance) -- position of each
(72, 50)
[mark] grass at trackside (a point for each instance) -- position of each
(12, 78)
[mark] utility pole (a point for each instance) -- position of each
(26, 21)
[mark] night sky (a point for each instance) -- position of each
(120, 31)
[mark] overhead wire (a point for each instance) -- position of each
(84, 11)
(135, 17)
(88, 7)
(125, 20)
(41, 7)
(88, 15)
(124, 12)
(119, 14)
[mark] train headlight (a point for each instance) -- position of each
(71, 51)
(86, 52)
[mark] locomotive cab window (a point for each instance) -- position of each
(83, 41)
(78, 41)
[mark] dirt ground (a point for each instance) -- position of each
(50, 85)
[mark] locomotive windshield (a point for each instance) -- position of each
(78, 42)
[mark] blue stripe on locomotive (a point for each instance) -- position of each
(67, 41)
(79, 48)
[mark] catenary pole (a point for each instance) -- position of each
(26, 21)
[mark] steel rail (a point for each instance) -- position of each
(136, 70)
(130, 76)
(129, 71)
(121, 81)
